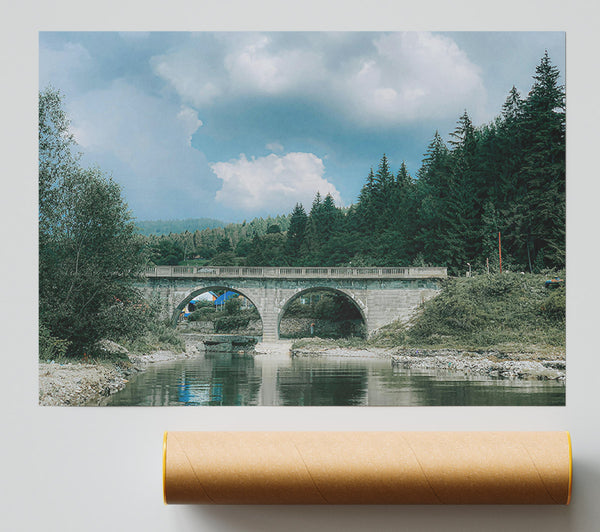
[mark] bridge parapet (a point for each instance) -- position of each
(286, 272)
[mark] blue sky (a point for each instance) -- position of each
(237, 125)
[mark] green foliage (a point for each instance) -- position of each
(202, 314)
(166, 252)
(204, 304)
(224, 245)
(165, 227)
(391, 335)
(299, 310)
(166, 335)
(230, 322)
(225, 258)
(489, 310)
(296, 234)
(158, 335)
(334, 316)
(325, 308)
(225, 321)
(193, 262)
(217, 242)
(51, 347)
(89, 249)
(234, 318)
(268, 250)
(232, 306)
(554, 307)
(323, 305)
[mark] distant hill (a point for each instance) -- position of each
(164, 227)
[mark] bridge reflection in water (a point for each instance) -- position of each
(228, 379)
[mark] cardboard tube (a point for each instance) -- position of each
(367, 467)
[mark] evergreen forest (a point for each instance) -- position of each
(501, 181)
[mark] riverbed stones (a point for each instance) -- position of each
(79, 384)
(485, 364)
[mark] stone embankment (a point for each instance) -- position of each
(79, 384)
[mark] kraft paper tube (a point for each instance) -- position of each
(367, 467)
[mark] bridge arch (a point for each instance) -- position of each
(198, 291)
(381, 294)
(346, 294)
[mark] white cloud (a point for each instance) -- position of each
(194, 79)
(259, 66)
(273, 182)
(190, 120)
(385, 78)
(416, 75)
(275, 147)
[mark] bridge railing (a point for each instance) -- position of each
(285, 272)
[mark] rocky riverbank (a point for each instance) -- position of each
(344, 352)
(79, 384)
(527, 366)
(507, 364)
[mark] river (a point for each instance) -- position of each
(272, 380)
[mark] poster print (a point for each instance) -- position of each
(302, 218)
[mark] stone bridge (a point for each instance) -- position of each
(382, 295)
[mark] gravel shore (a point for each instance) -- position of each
(276, 347)
(521, 365)
(79, 384)
(527, 366)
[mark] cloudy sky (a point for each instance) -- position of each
(237, 125)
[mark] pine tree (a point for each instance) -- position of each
(296, 234)
(432, 193)
(544, 165)
(509, 187)
(382, 198)
(463, 204)
(365, 210)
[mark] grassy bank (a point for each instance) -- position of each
(504, 312)
(156, 336)
(161, 336)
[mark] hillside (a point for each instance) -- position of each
(500, 311)
(164, 227)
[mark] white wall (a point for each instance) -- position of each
(94, 469)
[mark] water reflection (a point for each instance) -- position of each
(230, 379)
(336, 383)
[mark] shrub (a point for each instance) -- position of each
(202, 314)
(203, 304)
(488, 310)
(554, 307)
(168, 336)
(229, 323)
(325, 308)
(51, 347)
(232, 306)
(159, 336)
